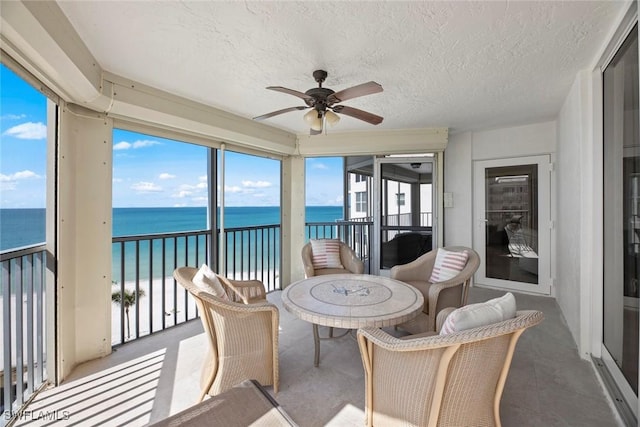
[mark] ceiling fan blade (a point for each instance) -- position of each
(275, 113)
(299, 94)
(354, 92)
(358, 114)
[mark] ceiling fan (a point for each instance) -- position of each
(322, 102)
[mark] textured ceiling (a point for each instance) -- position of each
(462, 65)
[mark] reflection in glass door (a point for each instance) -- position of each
(512, 233)
(621, 226)
(511, 211)
(405, 222)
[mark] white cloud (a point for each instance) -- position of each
(13, 116)
(144, 143)
(183, 193)
(319, 166)
(256, 184)
(146, 187)
(8, 182)
(202, 178)
(28, 130)
(202, 185)
(232, 189)
(165, 175)
(124, 145)
(25, 174)
(117, 180)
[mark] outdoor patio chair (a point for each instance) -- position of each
(242, 330)
(452, 292)
(440, 380)
(330, 256)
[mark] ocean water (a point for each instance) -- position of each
(25, 227)
(21, 227)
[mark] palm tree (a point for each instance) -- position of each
(128, 298)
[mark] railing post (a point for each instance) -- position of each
(6, 333)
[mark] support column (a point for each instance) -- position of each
(292, 220)
(84, 238)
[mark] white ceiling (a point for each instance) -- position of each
(462, 65)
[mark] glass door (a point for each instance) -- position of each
(404, 209)
(621, 227)
(512, 232)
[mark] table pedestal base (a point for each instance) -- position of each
(316, 342)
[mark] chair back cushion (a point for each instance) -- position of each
(480, 314)
(326, 253)
(206, 280)
(448, 264)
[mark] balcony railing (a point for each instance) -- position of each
(23, 318)
(356, 233)
(146, 297)
(254, 253)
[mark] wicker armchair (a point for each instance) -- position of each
(348, 258)
(449, 293)
(242, 333)
(440, 380)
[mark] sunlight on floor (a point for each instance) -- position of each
(105, 397)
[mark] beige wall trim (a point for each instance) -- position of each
(184, 136)
(292, 220)
(84, 238)
(412, 141)
(134, 101)
(39, 36)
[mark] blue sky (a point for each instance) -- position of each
(147, 171)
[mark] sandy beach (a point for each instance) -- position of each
(176, 307)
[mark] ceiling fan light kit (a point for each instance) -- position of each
(321, 101)
(331, 118)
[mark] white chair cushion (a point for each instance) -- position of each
(206, 280)
(448, 264)
(326, 253)
(481, 314)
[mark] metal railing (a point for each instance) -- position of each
(253, 253)
(355, 233)
(23, 359)
(146, 297)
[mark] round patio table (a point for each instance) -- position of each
(351, 301)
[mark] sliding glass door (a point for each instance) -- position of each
(404, 208)
(622, 218)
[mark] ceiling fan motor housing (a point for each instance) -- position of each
(318, 98)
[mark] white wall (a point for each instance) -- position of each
(569, 192)
(457, 180)
(464, 148)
